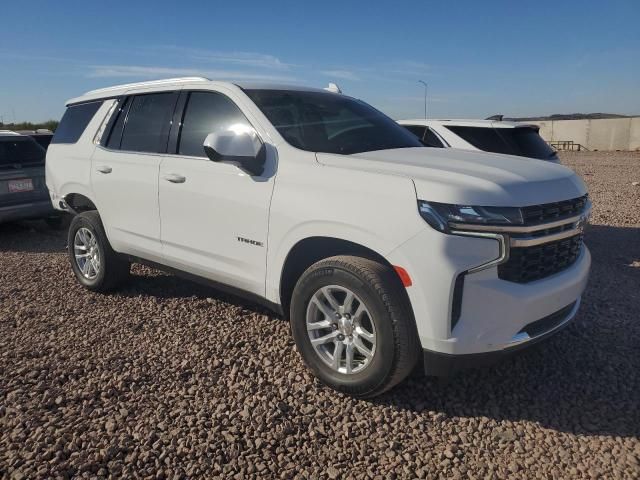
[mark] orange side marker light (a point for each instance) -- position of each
(404, 276)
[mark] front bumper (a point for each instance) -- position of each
(492, 311)
(25, 211)
(443, 364)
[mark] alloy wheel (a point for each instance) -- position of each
(87, 253)
(341, 329)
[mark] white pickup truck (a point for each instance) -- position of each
(378, 250)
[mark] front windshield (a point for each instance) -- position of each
(330, 123)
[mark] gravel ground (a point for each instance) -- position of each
(168, 379)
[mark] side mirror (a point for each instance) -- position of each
(240, 145)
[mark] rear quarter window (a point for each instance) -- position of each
(417, 130)
(74, 122)
(425, 135)
(432, 140)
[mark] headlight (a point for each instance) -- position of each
(441, 215)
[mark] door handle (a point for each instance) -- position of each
(104, 169)
(175, 178)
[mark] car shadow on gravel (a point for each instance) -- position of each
(585, 380)
(32, 236)
(162, 285)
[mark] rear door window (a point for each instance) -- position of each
(206, 112)
(146, 127)
(18, 152)
(75, 121)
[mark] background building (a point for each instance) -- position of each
(593, 134)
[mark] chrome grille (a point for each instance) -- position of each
(549, 212)
(548, 241)
(527, 264)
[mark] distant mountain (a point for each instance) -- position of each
(570, 116)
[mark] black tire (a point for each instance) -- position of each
(114, 268)
(379, 287)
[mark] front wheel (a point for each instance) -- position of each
(95, 264)
(353, 325)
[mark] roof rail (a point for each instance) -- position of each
(151, 83)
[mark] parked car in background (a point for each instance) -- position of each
(23, 193)
(42, 135)
(379, 251)
(512, 138)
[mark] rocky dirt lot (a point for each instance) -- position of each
(168, 379)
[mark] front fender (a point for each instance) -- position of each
(370, 209)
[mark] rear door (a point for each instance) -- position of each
(125, 173)
(21, 171)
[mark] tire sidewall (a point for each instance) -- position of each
(82, 221)
(380, 367)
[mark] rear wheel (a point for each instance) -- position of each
(96, 265)
(353, 325)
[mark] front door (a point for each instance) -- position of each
(214, 216)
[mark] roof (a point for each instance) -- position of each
(117, 90)
(152, 83)
(168, 83)
(276, 86)
(462, 122)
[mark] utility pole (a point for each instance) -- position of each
(426, 87)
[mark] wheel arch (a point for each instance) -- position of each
(310, 250)
(78, 203)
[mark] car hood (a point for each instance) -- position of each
(465, 177)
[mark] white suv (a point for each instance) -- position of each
(379, 251)
(512, 138)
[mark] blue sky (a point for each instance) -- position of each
(478, 57)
